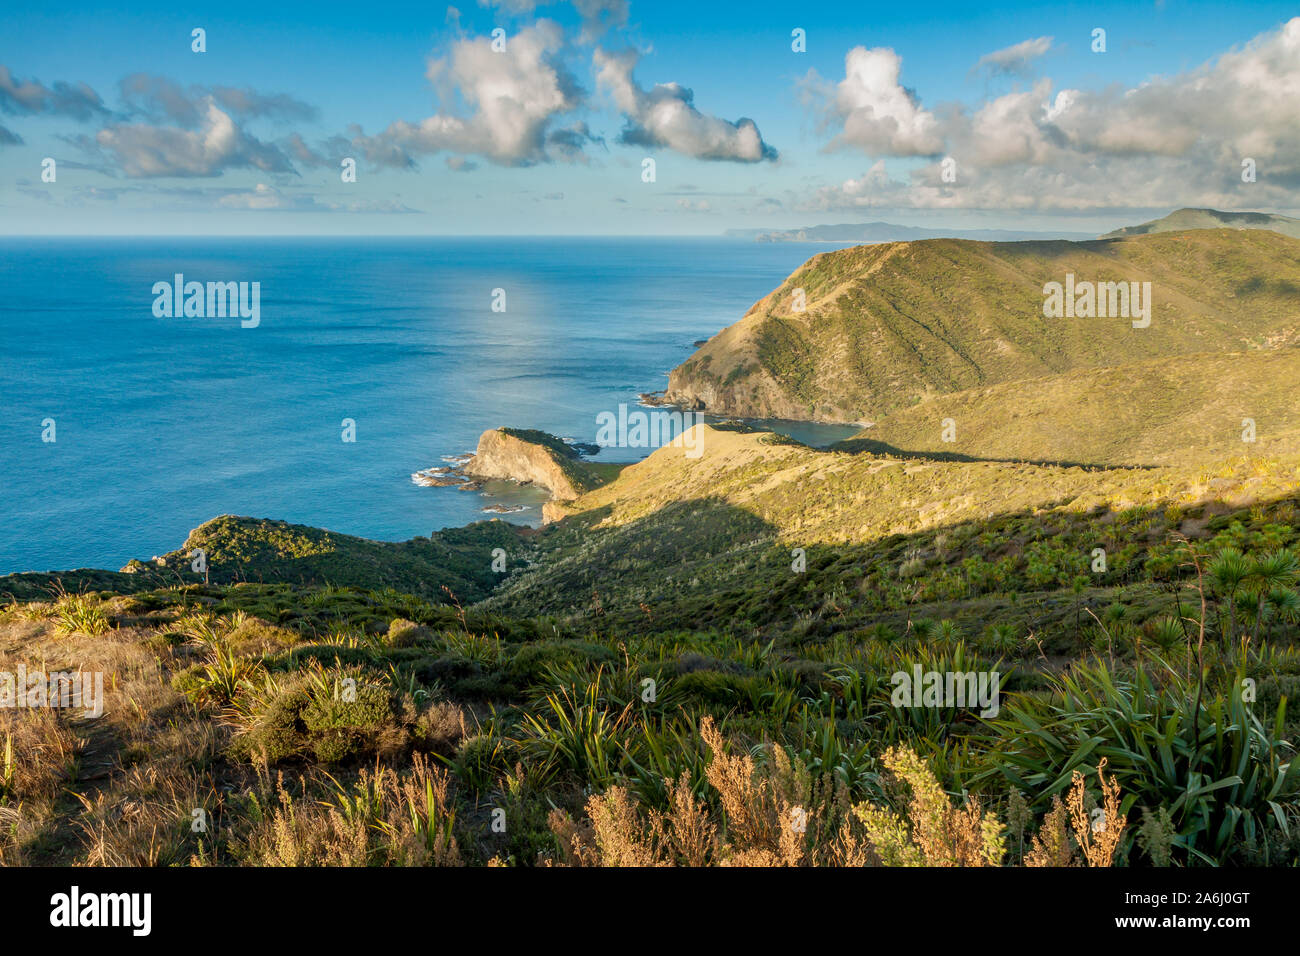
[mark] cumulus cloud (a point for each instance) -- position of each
(598, 16)
(665, 116)
(75, 100)
(162, 128)
(158, 99)
(1170, 141)
(878, 114)
(872, 188)
(513, 98)
(514, 107)
(326, 153)
(1016, 60)
(241, 101)
(216, 144)
(1010, 130)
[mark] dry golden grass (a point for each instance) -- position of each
(1051, 844)
(386, 818)
(774, 815)
(149, 783)
(1098, 835)
(770, 815)
(118, 789)
(934, 833)
(37, 751)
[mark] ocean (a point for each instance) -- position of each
(160, 423)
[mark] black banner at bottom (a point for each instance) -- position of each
(342, 906)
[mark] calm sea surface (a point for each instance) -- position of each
(162, 423)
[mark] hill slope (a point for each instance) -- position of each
(240, 549)
(1183, 219)
(1160, 411)
(889, 325)
(710, 542)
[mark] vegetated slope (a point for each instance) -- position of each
(678, 578)
(254, 549)
(1182, 219)
(249, 549)
(1161, 411)
(889, 325)
(710, 542)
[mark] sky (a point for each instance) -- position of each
(756, 115)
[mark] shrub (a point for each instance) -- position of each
(1226, 776)
(80, 614)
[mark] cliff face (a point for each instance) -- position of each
(531, 457)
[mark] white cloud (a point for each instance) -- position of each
(1170, 141)
(694, 205)
(1012, 129)
(261, 196)
(217, 144)
(877, 114)
(513, 98)
(598, 16)
(872, 188)
(266, 198)
(665, 116)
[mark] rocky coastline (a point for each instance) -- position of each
(523, 456)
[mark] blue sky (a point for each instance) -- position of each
(549, 136)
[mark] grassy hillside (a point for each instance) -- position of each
(241, 549)
(891, 325)
(680, 543)
(666, 686)
(1155, 412)
(1182, 219)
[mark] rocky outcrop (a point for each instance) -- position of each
(531, 457)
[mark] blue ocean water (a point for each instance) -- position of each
(163, 423)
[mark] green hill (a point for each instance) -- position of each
(891, 325)
(1161, 411)
(709, 542)
(256, 550)
(1183, 219)
(685, 619)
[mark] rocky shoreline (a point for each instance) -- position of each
(522, 456)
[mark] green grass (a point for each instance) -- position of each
(1155, 412)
